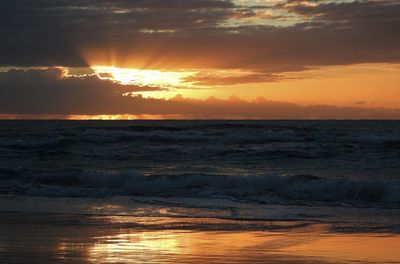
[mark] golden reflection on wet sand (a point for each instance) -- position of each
(140, 246)
(83, 239)
(172, 246)
(371, 248)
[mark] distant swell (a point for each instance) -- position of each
(260, 188)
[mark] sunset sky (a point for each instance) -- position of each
(200, 59)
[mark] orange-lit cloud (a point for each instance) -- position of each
(48, 93)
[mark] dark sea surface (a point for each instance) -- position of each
(233, 169)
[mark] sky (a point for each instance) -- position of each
(200, 59)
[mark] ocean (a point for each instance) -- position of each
(341, 177)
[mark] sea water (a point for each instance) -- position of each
(325, 170)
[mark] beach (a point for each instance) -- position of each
(57, 238)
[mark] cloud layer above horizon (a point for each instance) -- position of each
(46, 92)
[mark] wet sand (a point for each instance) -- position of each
(61, 238)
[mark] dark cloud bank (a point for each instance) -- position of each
(44, 92)
(197, 34)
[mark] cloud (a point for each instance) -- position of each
(51, 32)
(198, 34)
(46, 92)
(236, 78)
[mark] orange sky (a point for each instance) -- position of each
(362, 85)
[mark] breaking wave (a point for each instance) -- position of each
(251, 188)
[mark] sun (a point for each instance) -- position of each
(156, 78)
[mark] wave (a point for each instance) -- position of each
(251, 188)
(192, 136)
(239, 133)
(29, 143)
(33, 135)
